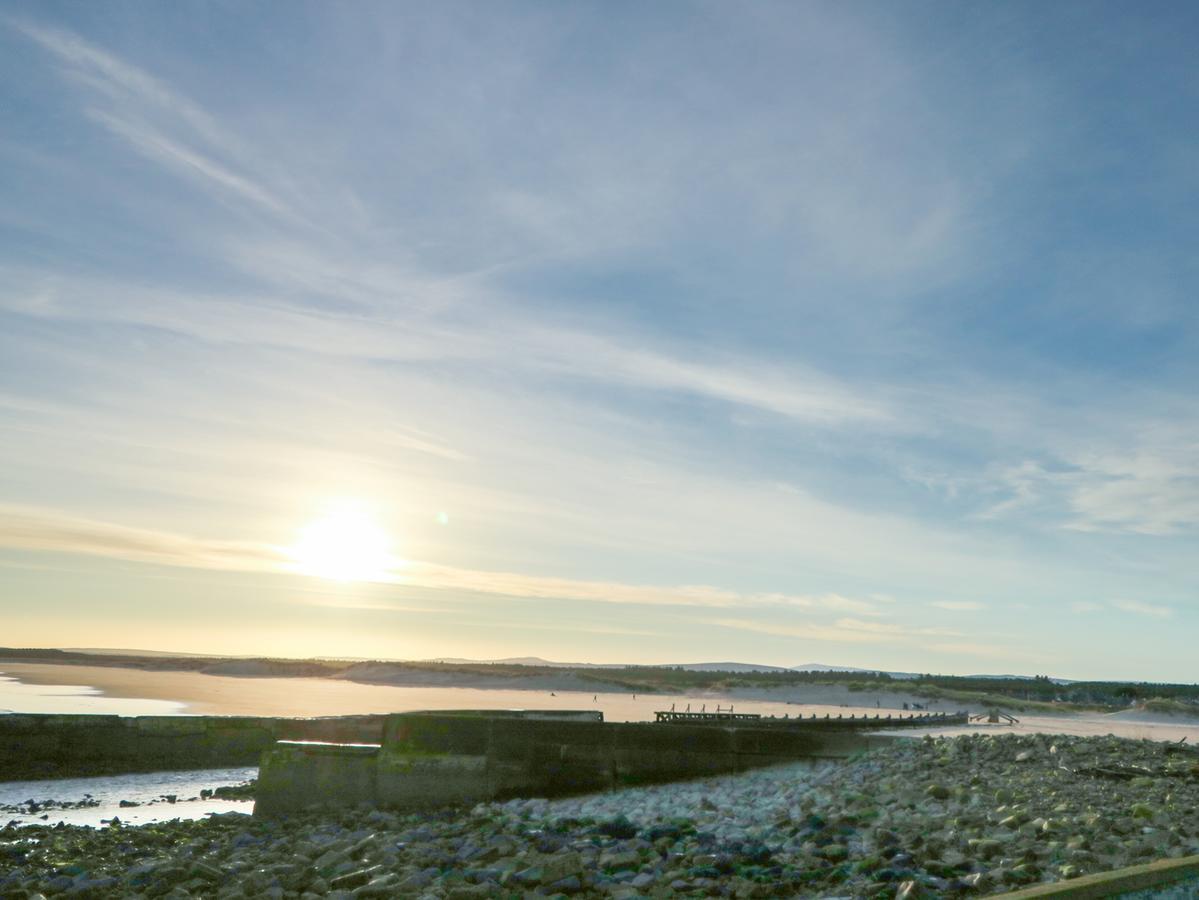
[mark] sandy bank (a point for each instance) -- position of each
(1156, 718)
(383, 673)
(205, 694)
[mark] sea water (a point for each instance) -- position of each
(104, 794)
(57, 800)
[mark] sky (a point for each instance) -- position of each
(862, 334)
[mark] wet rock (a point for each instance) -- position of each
(351, 880)
(560, 866)
(621, 859)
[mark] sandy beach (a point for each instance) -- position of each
(204, 694)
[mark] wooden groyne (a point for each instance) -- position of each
(854, 721)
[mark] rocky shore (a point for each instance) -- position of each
(933, 817)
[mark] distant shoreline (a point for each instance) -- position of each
(296, 696)
(251, 694)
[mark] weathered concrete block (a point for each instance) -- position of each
(295, 777)
(441, 758)
(418, 781)
(170, 725)
(469, 734)
(644, 765)
(572, 768)
(691, 738)
(775, 742)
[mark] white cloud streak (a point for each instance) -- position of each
(40, 530)
(134, 97)
(845, 631)
(1139, 608)
(959, 605)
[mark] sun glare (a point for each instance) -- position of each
(346, 544)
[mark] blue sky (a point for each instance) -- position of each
(858, 333)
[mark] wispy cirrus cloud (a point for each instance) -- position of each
(794, 393)
(959, 605)
(41, 530)
(26, 529)
(537, 587)
(1147, 485)
(470, 277)
(144, 111)
(160, 123)
(158, 147)
(1140, 608)
(1135, 607)
(845, 630)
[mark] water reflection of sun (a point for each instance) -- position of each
(345, 544)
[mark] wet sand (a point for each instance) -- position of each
(203, 694)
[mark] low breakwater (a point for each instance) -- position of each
(431, 759)
(962, 816)
(36, 746)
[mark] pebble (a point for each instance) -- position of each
(922, 818)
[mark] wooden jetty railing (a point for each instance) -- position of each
(755, 720)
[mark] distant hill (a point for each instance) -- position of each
(821, 667)
(729, 667)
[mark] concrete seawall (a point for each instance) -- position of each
(436, 759)
(59, 746)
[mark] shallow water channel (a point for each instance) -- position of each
(94, 801)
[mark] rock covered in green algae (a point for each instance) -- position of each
(924, 818)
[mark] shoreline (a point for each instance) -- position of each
(200, 693)
(300, 697)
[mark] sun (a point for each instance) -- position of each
(346, 544)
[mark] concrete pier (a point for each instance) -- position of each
(432, 759)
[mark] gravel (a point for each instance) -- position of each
(935, 817)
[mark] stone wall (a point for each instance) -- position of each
(436, 759)
(60, 746)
